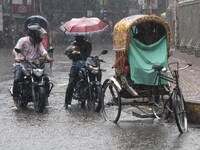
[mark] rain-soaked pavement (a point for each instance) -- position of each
(79, 129)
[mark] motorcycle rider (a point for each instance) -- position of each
(30, 46)
(79, 49)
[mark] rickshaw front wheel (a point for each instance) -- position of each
(180, 111)
(111, 102)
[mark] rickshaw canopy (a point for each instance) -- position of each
(124, 30)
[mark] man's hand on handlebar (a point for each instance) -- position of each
(75, 52)
(51, 59)
(48, 58)
(18, 60)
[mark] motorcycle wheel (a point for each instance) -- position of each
(94, 101)
(22, 104)
(22, 100)
(39, 103)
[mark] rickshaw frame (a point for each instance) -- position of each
(120, 86)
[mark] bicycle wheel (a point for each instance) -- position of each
(111, 102)
(180, 111)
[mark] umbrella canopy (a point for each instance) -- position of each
(83, 26)
(37, 19)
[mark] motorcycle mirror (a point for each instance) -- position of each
(104, 52)
(18, 50)
(51, 49)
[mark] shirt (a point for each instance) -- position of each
(29, 49)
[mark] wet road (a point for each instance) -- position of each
(78, 129)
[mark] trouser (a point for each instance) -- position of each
(18, 77)
(73, 77)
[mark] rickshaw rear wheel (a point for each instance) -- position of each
(168, 109)
(162, 108)
(111, 102)
(158, 105)
(180, 111)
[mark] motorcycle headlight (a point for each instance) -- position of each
(38, 72)
(90, 67)
(93, 70)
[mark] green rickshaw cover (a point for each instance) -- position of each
(142, 57)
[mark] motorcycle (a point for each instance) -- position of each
(88, 87)
(34, 87)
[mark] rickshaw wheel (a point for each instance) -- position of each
(180, 111)
(111, 102)
(167, 107)
(157, 106)
(162, 106)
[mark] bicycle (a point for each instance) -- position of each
(175, 102)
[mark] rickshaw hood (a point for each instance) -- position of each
(121, 36)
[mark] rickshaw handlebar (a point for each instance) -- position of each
(181, 68)
(163, 69)
(187, 66)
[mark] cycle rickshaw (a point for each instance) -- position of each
(143, 76)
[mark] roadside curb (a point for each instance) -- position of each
(193, 112)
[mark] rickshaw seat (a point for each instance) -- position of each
(157, 67)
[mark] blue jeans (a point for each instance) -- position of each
(18, 77)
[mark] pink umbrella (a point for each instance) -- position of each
(83, 26)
